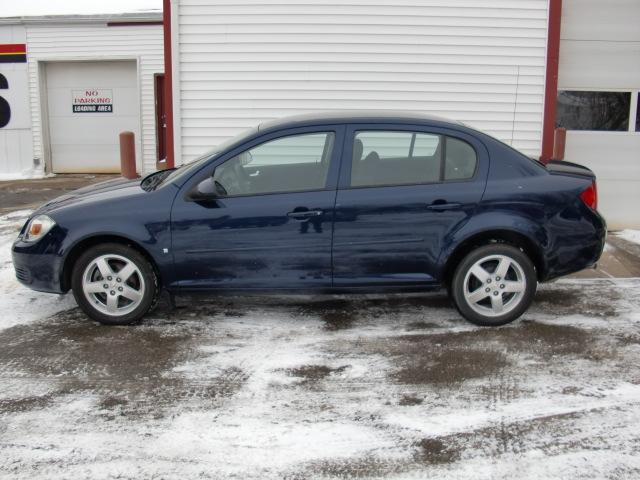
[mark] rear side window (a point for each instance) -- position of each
(460, 160)
(391, 158)
(405, 158)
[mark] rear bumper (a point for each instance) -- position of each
(579, 248)
(600, 226)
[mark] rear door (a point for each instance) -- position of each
(403, 191)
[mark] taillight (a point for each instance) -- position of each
(590, 196)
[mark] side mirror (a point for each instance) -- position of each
(207, 189)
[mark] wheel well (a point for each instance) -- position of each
(87, 243)
(495, 236)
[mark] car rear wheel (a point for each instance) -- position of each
(114, 284)
(494, 284)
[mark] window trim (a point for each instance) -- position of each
(443, 134)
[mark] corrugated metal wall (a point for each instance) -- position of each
(49, 42)
(241, 62)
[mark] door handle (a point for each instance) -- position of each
(441, 205)
(255, 174)
(305, 215)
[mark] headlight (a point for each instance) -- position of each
(38, 227)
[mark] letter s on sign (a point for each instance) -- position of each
(5, 109)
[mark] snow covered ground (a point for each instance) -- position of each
(396, 387)
(630, 235)
(29, 174)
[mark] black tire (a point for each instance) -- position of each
(522, 266)
(147, 286)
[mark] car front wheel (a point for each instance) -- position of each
(494, 284)
(114, 284)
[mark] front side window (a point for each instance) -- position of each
(598, 111)
(289, 164)
(405, 158)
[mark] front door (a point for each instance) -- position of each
(403, 193)
(271, 225)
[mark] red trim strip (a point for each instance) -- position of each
(13, 48)
(168, 81)
(551, 79)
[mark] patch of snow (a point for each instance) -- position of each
(25, 175)
(263, 442)
(630, 235)
(25, 305)
(527, 409)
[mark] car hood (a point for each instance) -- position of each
(111, 189)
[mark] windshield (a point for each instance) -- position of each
(185, 170)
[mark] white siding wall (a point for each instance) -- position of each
(48, 42)
(237, 63)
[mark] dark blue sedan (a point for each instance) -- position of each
(333, 203)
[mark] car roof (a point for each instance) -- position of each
(356, 116)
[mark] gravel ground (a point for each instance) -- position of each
(321, 387)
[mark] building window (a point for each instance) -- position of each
(602, 111)
(638, 115)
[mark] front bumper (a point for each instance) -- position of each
(37, 266)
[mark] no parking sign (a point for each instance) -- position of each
(92, 101)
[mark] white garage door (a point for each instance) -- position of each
(599, 86)
(89, 104)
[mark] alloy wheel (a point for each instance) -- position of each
(113, 285)
(494, 285)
